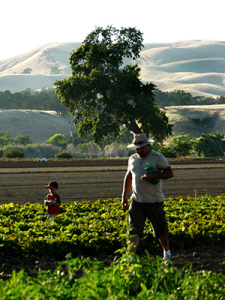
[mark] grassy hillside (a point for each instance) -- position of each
(196, 67)
(41, 125)
(197, 119)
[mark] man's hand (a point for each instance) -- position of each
(147, 177)
(124, 203)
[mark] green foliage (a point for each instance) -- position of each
(85, 229)
(180, 97)
(5, 138)
(116, 150)
(207, 145)
(58, 140)
(63, 155)
(41, 150)
(35, 150)
(104, 94)
(220, 100)
(22, 139)
(13, 153)
(46, 99)
(181, 144)
(89, 149)
(167, 152)
(132, 278)
(210, 145)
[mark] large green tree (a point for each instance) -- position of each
(104, 93)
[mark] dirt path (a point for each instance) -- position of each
(22, 185)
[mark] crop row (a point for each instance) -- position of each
(101, 227)
(132, 278)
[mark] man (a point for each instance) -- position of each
(147, 198)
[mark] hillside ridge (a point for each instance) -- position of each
(41, 125)
(197, 67)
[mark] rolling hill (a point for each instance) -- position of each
(41, 125)
(197, 67)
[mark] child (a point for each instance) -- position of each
(52, 200)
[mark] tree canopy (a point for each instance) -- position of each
(104, 93)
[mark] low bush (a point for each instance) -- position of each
(89, 149)
(168, 152)
(13, 153)
(63, 155)
(35, 150)
(57, 140)
(116, 150)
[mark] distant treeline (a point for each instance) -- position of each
(47, 99)
(180, 97)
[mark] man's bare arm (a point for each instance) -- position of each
(126, 188)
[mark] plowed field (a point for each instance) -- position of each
(24, 182)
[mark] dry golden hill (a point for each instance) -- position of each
(196, 119)
(41, 125)
(194, 66)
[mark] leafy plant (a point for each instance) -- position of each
(131, 278)
(5, 138)
(89, 149)
(22, 139)
(57, 140)
(210, 145)
(63, 155)
(84, 229)
(116, 150)
(87, 228)
(13, 153)
(181, 144)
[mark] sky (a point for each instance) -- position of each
(29, 24)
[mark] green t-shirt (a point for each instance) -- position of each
(144, 191)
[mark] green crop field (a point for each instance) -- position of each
(84, 230)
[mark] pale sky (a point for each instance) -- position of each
(28, 24)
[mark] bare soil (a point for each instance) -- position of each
(79, 180)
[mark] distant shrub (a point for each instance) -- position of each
(36, 150)
(22, 139)
(5, 138)
(27, 71)
(116, 150)
(71, 149)
(13, 153)
(42, 150)
(63, 155)
(168, 152)
(58, 140)
(90, 149)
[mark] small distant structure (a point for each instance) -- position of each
(42, 159)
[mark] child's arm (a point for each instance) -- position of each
(47, 201)
(57, 203)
